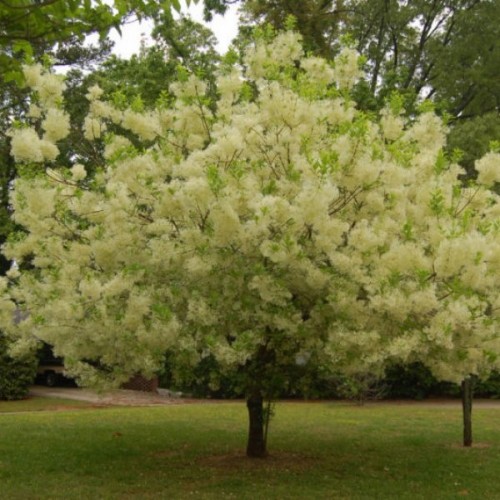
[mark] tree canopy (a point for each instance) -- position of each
(272, 225)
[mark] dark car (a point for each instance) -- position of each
(50, 368)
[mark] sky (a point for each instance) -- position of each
(224, 27)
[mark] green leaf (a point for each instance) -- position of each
(137, 105)
(495, 146)
(427, 106)
(14, 76)
(436, 203)
(408, 231)
(270, 188)
(456, 155)
(162, 311)
(290, 23)
(396, 103)
(214, 180)
(441, 162)
(182, 73)
(20, 46)
(176, 4)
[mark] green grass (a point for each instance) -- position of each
(42, 404)
(318, 451)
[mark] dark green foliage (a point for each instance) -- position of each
(145, 78)
(489, 388)
(415, 381)
(473, 136)
(320, 22)
(204, 380)
(207, 379)
(361, 388)
(16, 375)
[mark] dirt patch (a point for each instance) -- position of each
(277, 461)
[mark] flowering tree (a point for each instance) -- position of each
(276, 227)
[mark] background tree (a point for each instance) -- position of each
(28, 25)
(179, 45)
(447, 51)
(444, 51)
(53, 29)
(318, 21)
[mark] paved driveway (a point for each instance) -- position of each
(117, 397)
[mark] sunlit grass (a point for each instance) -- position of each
(319, 450)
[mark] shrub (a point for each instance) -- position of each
(16, 375)
(415, 381)
(361, 387)
(489, 388)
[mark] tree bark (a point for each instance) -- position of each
(467, 396)
(256, 447)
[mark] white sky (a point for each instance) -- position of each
(225, 29)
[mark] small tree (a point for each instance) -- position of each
(445, 295)
(274, 229)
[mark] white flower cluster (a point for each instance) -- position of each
(318, 70)
(49, 87)
(145, 125)
(262, 59)
(26, 145)
(56, 125)
(489, 169)
(392, 125)
(347, 70)
(78, 172)
(93, 128)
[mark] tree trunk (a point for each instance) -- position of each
(256, 447)
(467, 395)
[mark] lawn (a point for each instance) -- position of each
(318, 451)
